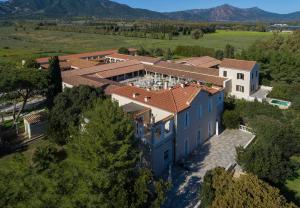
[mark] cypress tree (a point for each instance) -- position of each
(55, 80)
(229, 51)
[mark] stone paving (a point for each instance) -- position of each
(217, 151)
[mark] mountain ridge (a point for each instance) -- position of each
(111, 9)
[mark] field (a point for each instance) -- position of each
(37, 43)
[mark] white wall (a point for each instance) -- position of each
(65, 85)
(159, 114)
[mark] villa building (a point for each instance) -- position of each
(175, 106)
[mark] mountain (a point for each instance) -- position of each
(63, 8)
(230, 13)
(110, 9)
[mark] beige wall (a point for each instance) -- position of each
(246, 83)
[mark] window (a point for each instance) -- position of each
(239, 88)
(224, 73)
(166, 155)
(198, 137)
(187, 119)
(209, 129)
(256, 73)
(240, 76)
(220, 98)
(210, 104)
(252, 76)
(200, 112)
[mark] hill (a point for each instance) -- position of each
(110, 9)
(63, 8)
(230, 13)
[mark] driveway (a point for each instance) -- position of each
(219, 151)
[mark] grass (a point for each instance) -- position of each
(38, 43)
(294, 184)
(28, 152)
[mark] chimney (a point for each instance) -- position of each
(182, 85)
(146, 99)
(134, 95)
(166, 85)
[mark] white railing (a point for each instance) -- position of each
(246, 129)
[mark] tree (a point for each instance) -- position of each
(44, 156)
(219, 54)
(67, 110)
(108, 151)
(261, 27)
(231, 119)
(31, 63)
(142, 51)
(197, 34)
(21, 84)
(207, 191)
(102, 169)
(168, 55)
(220, 189)
(123, 50)
(229, 51)
(269, 157)
(55, 80)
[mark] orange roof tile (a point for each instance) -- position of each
(121, 71)
(180, 67)
(36, 117)
(78, 56)
(174, 100)
(204, 61)
(238, 64)
(99, 68)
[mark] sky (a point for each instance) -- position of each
(278, 6)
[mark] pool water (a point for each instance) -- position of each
(280, 102)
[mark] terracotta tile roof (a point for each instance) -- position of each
(121, 71)
(93, 81)
(180, 67)
(173, 100)
(238, 64)
(82, 63)
(81, 80)
(79, 56)
(143, 59)
(99, 68)
(218, 81)
(36, 117)
(204, 61)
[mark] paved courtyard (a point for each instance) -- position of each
(218, 151)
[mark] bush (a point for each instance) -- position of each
(123, 50)
(231, 119)
(197, 34)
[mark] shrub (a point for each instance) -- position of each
(123, 50)
(231, 119)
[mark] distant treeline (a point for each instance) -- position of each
(154, 30)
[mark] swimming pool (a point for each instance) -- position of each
(282, 104)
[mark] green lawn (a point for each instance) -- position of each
(22, 44)
(294, 185)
